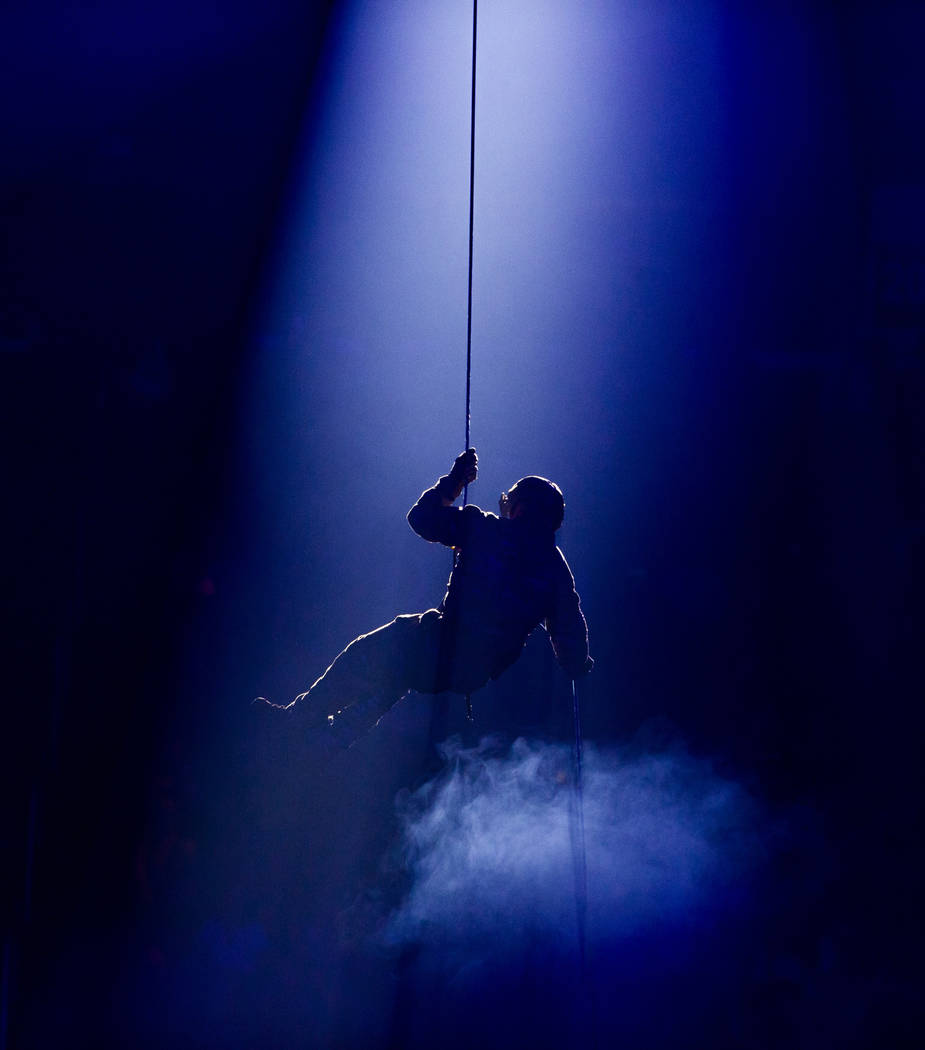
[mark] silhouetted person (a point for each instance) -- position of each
(509, 577)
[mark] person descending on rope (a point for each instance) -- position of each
(509, 576)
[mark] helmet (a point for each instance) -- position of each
(541, 501)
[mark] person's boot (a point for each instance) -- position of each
(349, 724)
(301, 733)
(288, 736)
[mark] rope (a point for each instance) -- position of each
(579, 855)
(475, 24)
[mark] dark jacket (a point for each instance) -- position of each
(508, 578)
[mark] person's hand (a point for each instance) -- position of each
(465, 470)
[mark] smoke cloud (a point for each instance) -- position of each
(491, 844)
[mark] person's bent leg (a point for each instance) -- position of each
(370, 676)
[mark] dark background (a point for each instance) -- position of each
(750, 561)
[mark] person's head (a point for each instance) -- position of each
(536, 500)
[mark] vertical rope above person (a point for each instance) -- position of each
(475, 24)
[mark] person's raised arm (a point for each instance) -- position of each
(434, 517)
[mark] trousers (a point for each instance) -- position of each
(419, 651)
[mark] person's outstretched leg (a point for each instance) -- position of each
(370, 676)
(370, 664)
